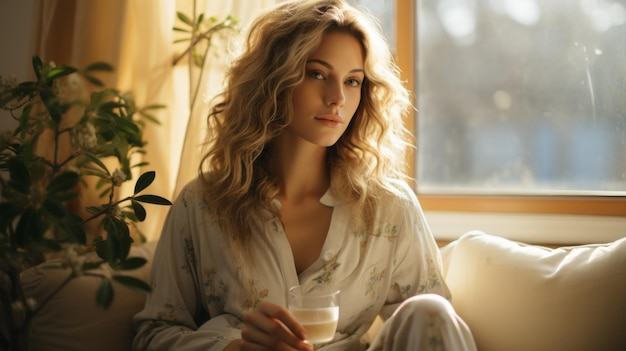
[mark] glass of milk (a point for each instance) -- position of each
(316, 310)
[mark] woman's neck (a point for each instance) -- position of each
(301, 170)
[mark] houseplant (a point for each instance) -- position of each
(62, 143)
(199, 34)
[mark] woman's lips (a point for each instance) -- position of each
(332, 121)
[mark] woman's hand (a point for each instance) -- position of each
(272, 327)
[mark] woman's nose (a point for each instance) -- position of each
(335, 94)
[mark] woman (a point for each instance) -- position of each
(303, 183)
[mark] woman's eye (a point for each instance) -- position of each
(353, 82)
(316, 75)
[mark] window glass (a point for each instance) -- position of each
(385, 11)
(521, 96)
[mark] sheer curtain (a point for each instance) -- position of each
(212, 79)
(136, 37)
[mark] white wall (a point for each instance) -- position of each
(529, 228)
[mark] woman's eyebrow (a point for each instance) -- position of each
(329, 66)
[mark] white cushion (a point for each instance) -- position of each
(71, 320)
(518, 297)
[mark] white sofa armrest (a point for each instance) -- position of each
(71, 320)
(519, 297)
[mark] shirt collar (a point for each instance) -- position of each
(329, 199)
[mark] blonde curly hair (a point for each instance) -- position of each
(256, 106)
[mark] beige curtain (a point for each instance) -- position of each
(212, 78)
(136, 37)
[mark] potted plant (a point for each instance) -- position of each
(40, 185)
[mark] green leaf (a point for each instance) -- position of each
(198, 59)
(130, 215)
(118, 241)
(132, 263)
(8, 211)
(98, 97)
(29, 226)
(95, 159)
(140, 211)
(127, 126)
(37, 66)
(144, 111)
(154, 107)
(55, 207)
(99, 66)
(105, 192)
(93, 80)
(94, 172)
(72, 229)
(181, 16)
(140, 164)
(112, 105)
(102, 248)
(144, 181)
(178, 29)
(153, 199)
(59, 71)
(95, 209)
(200, 19)
(19, 174)
(104, 297)
(133, 283)
(63, 182)
(52, 103)
(65, 196)
(149, 117)
(19, 186)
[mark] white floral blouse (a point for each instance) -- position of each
(202, 288)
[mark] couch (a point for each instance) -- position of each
(514, 297)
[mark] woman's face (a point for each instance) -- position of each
(326, 100)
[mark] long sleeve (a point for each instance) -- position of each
(173, 317)
(417, 266)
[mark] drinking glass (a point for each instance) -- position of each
(317, 311)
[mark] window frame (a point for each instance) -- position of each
(406, 48)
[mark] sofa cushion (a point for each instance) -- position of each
(71, 320)
(518, 297)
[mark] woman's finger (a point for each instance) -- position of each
(269, 325)
(285, 317)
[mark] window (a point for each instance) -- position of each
(521, 97)
(576, 202)
(385, 11)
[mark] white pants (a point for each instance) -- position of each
(425, 322)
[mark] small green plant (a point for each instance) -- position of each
(199, 32)
(40, 184)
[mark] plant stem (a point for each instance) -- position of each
(195, 39)
(55, 166)
(200, 75)
(12, 292)
(7, 308)
(52, 294)
(96, 215)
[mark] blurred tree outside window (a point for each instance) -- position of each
(518, 96)
(521, 97)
